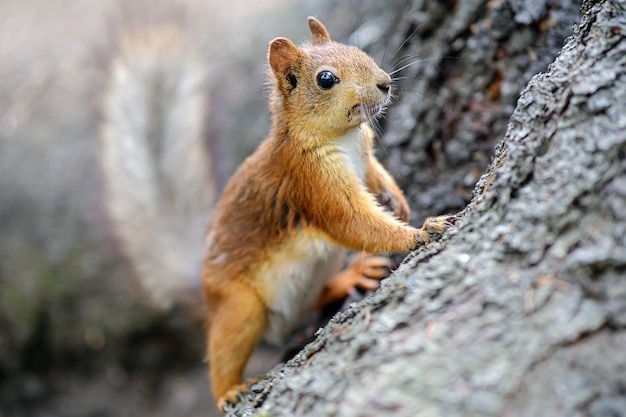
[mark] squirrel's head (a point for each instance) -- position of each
(325, 86)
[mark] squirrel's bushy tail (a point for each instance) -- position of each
(159, 187)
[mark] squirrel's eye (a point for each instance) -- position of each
(326, 80)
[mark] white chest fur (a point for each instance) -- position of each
(297, 273)
(352, 147)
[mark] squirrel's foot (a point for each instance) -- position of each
(432, 227)
(364, 272)
(232, 395)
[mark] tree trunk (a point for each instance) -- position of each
(520, 310)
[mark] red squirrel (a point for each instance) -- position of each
(280, 231)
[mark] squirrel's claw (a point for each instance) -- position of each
(433, 227)
(232, 395)
(450, 221)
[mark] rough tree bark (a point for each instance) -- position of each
(521, 309)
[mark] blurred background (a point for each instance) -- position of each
(76, 338)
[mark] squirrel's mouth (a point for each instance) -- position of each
(367, 111)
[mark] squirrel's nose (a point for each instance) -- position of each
(384, 84)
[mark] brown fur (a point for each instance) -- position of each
(299, 199)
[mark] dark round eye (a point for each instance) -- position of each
(326, 80)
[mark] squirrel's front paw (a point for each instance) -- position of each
(434, 226)
(397, 204)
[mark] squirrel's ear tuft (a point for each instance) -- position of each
(283, 56)
(318, 31)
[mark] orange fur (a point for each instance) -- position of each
(279, 230)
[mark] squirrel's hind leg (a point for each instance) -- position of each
(364, 272)
(237, 320)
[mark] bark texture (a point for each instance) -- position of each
(521, 309)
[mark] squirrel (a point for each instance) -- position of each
(159, 179)
(281, 229)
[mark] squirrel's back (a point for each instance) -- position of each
(157, 168)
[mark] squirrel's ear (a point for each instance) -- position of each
(318, 31)
(283, 56)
